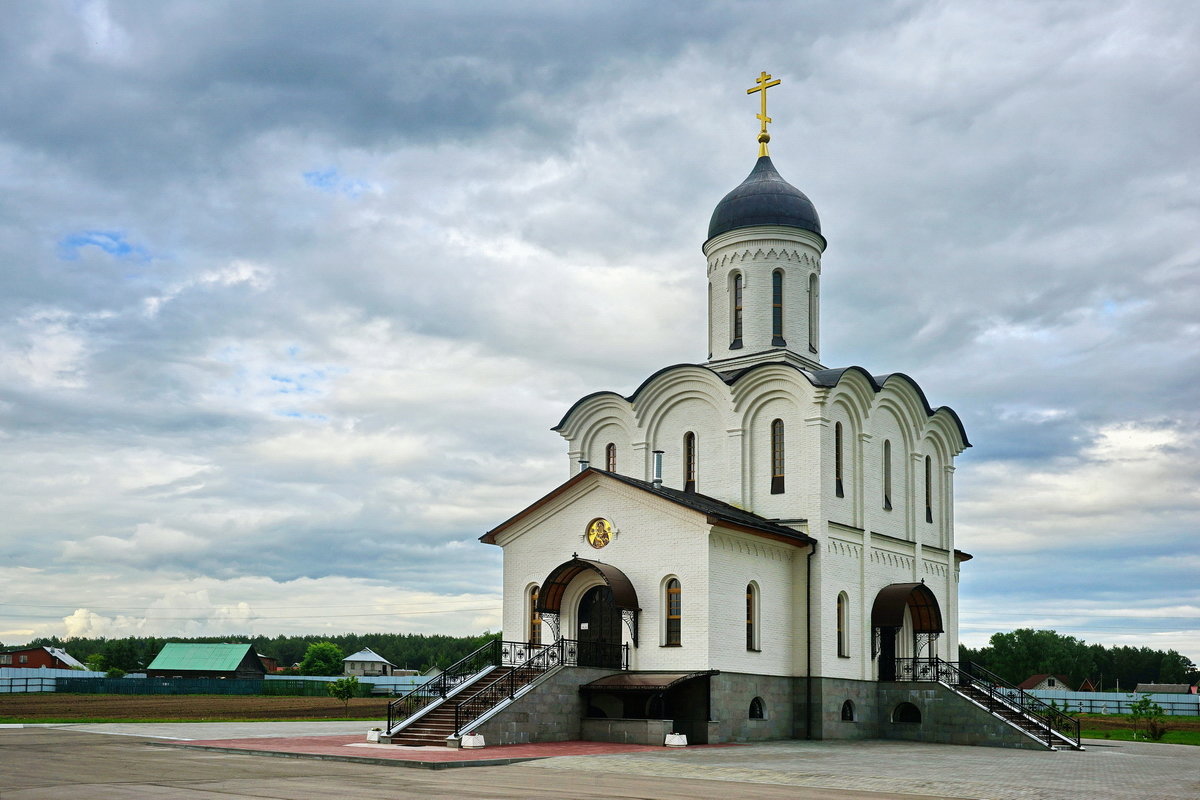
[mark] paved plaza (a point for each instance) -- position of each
(133, 761)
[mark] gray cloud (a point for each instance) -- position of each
(290, 295)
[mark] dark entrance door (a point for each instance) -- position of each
(887, 654)
(599, 629)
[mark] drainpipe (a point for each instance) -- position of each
(808, 633)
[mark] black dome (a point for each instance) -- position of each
(764, 198)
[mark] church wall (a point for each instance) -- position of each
(756, 253)
(651, 542)
(732, 694)
(736, 560)
(702, 416)
(594, 445)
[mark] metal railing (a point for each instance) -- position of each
(564, 652)
(996, 694)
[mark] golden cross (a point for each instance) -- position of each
(764, 82)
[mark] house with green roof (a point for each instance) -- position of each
(195, 660)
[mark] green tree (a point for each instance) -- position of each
(343, 689)
(1147, 718)
(95, 662)
(322, 658)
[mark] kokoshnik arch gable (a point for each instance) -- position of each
(767, 543)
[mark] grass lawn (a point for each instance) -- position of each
(1180, 729)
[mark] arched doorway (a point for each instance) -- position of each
(607, 600)
(599, 629)
(913, 608)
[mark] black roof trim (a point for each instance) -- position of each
(712, 507)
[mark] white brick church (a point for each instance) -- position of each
(760, 514)
(755, 547)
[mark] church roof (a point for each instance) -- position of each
(827, 378)
(764, 198)
(716, 512)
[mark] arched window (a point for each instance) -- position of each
(837, 460)
(847, 711)
(777, 339)
(777, 457)
(610, 457)
(751, 617)
(928, 489)
(535, 619)
(674, 608)
(813, 311)
(757, 709)
(689, 462)
(843, 625)
(887, 475)
(736, 327)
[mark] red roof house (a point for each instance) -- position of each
(34, 657)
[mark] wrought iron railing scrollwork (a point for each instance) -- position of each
(542, 659)
(998, 694)
(489, 655)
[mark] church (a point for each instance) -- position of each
(756, 547)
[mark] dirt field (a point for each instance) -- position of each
(49, 706)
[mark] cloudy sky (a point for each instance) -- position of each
(291, 293)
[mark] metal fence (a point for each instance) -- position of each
(191, 686)
(26, 685)
(1117, 702)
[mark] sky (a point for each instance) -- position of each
(291, 294)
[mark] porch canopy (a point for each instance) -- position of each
(642, 681)
(551, 594)
(888, 610)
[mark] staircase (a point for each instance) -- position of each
(437, 724)
(1015, 706)
(465, 692)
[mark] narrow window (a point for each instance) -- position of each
(757, 709)
(777, 339)
(887, 475)
(610, 457)
(535, 619)
(928, 489)
(837, 460)
(737, 312)
(751, 614)
(843, 627)
(777, 457)
(674, 613)
(813, 311)
(689, 462)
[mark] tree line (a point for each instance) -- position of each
(405, 650)
(1026, 652)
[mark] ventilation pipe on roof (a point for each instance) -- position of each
(583, 465)
(657, 479)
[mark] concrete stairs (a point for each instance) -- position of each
(434, 725)
(1013, 716)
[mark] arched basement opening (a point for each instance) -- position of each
(887, 618)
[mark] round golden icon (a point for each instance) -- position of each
(599, 532)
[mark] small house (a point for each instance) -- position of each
(367, 663)
(1163, 688)
(1045, 682)
(196, 660)
(35, 657)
